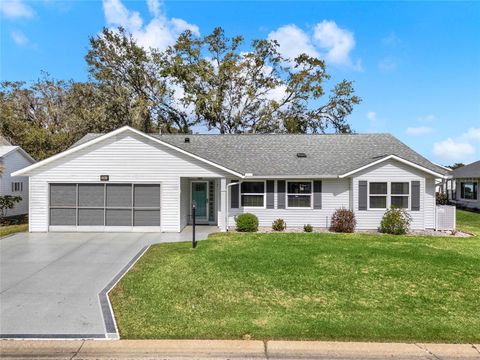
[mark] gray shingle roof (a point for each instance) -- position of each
(276, 154)
(467, 171)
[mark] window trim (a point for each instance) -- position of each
(389, 194)
(468, 181)
(287, 194)
(264, 194)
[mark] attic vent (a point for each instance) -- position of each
(187, 140)
(301, 155)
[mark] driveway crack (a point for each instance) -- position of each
(473, 346)
(80, 348)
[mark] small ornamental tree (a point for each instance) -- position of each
(8, 202)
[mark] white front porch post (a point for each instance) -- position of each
(222, 219)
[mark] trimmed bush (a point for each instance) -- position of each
(395, 221)
(343, 221)
(279, 225)
(308, 228)
(246, 223)
(441, 198)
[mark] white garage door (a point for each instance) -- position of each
(105, 205)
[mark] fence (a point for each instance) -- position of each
(445, 217)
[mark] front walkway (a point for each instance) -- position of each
(233, 349)
(50, 282)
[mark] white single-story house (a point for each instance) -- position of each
(461, 186)
(127, 180)
(13, 158)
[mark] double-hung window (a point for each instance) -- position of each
(252, 194)
(469, 190)
(399, 195)
(378, 195)
(299, 194)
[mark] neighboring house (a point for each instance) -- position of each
(13, 158)
(461, 186)
(127, 180)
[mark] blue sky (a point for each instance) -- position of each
(415, 64)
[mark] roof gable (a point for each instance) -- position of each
(470, 170)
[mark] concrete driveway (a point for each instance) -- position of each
(50, 282)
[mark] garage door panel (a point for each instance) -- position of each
(147, 195)
(119, 195)
(63, 216)
(91, 195)
(63, 195)
(118, 217)
(90, 217)
(146, 218)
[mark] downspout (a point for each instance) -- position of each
(226, 202)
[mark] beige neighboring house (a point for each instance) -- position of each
(13, 158)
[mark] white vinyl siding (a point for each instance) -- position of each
(393, 171)
(335, 194)
(14, 161)
(125, 158)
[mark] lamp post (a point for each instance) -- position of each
(194, 207)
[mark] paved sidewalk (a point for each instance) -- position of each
(231, 349)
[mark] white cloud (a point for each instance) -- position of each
(160, 32)
(15, 9)
(336, 41)
(472, 134)
(19, 38)
(427, 118)
(371, 115)
(293, 41)
(421, 130)
(451, 150)
(376, 123)
(327, 40)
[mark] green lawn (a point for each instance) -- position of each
(468, 221)
(11, 229)
(306, 286)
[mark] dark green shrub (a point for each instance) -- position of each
(308, 228)
(343, 220)
(279, 225)
(395, 221)
(441, 199)
(246, 222)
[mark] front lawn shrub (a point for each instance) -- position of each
(343, 221)
(246, 223)
(441, 198)
(279, 225)
(308, 228)
(395, 221)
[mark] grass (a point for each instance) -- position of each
(468, 221)
(306, 286)
(12, 229)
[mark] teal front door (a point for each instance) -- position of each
(200, 197)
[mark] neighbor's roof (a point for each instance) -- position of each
(276, 154)
(467, 171)
(7, 149)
